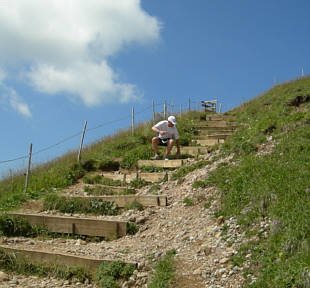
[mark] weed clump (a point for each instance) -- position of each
(183, 171)
(14, 226)
(9, 262)
(132, 228)
(138, 183)
(98, 179)
(164, 271)
(80, 205)
(108, 165)
(188, 201)
(110, 272)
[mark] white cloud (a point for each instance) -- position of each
(9, 97)
(65, 45)
(17, 104)
(93, 83)
(2, 75)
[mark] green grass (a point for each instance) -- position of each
(64, 171)
(80, 205)
(108, 275)
(102, 190)
(274, 185)
(135, 205)
(14, 226)
(183, 171)
(110, 272)
(98, 179)
(9, 262)
(188, 201)
(164, 271)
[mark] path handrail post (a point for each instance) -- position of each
(81, 143)
(28, 168)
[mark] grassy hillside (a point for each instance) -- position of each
(270, 178)
(119, 150)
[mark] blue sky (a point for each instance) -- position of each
(95, 60)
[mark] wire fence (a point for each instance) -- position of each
(167, 108)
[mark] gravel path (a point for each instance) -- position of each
(203, 252)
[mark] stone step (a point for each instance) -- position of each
(209, 142)
(75, 225)
(191, 150)
(125, 200)
(162, 163)
(127, 178)
(36, 256)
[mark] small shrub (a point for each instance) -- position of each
(164, 271)
(154, 188)
(138, 183)
(108, 282)
(132, 228)
(14, 226)
(108, 165)
(188, 201)
(199, 184)
(135, 205)
(110, 272)
(89, 165)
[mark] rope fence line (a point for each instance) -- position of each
(162, 104)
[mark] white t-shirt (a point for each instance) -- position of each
(172, 132)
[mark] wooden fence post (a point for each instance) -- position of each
(165, 109)
(220, 108)
(28, 168)
(133, 121)
(153, 110)
(189, 104)
(81, 143)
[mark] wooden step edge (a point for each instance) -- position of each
(76, 225)
(173, 163)
(52, 258)
(143, 175)
(112, 188)
(125, 200)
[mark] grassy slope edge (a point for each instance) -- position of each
(270, 179)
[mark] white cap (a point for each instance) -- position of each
(172, 120)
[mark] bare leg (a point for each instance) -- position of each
(155, 145)
(169, 146)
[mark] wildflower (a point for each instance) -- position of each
(227, 181)
(307, 190)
